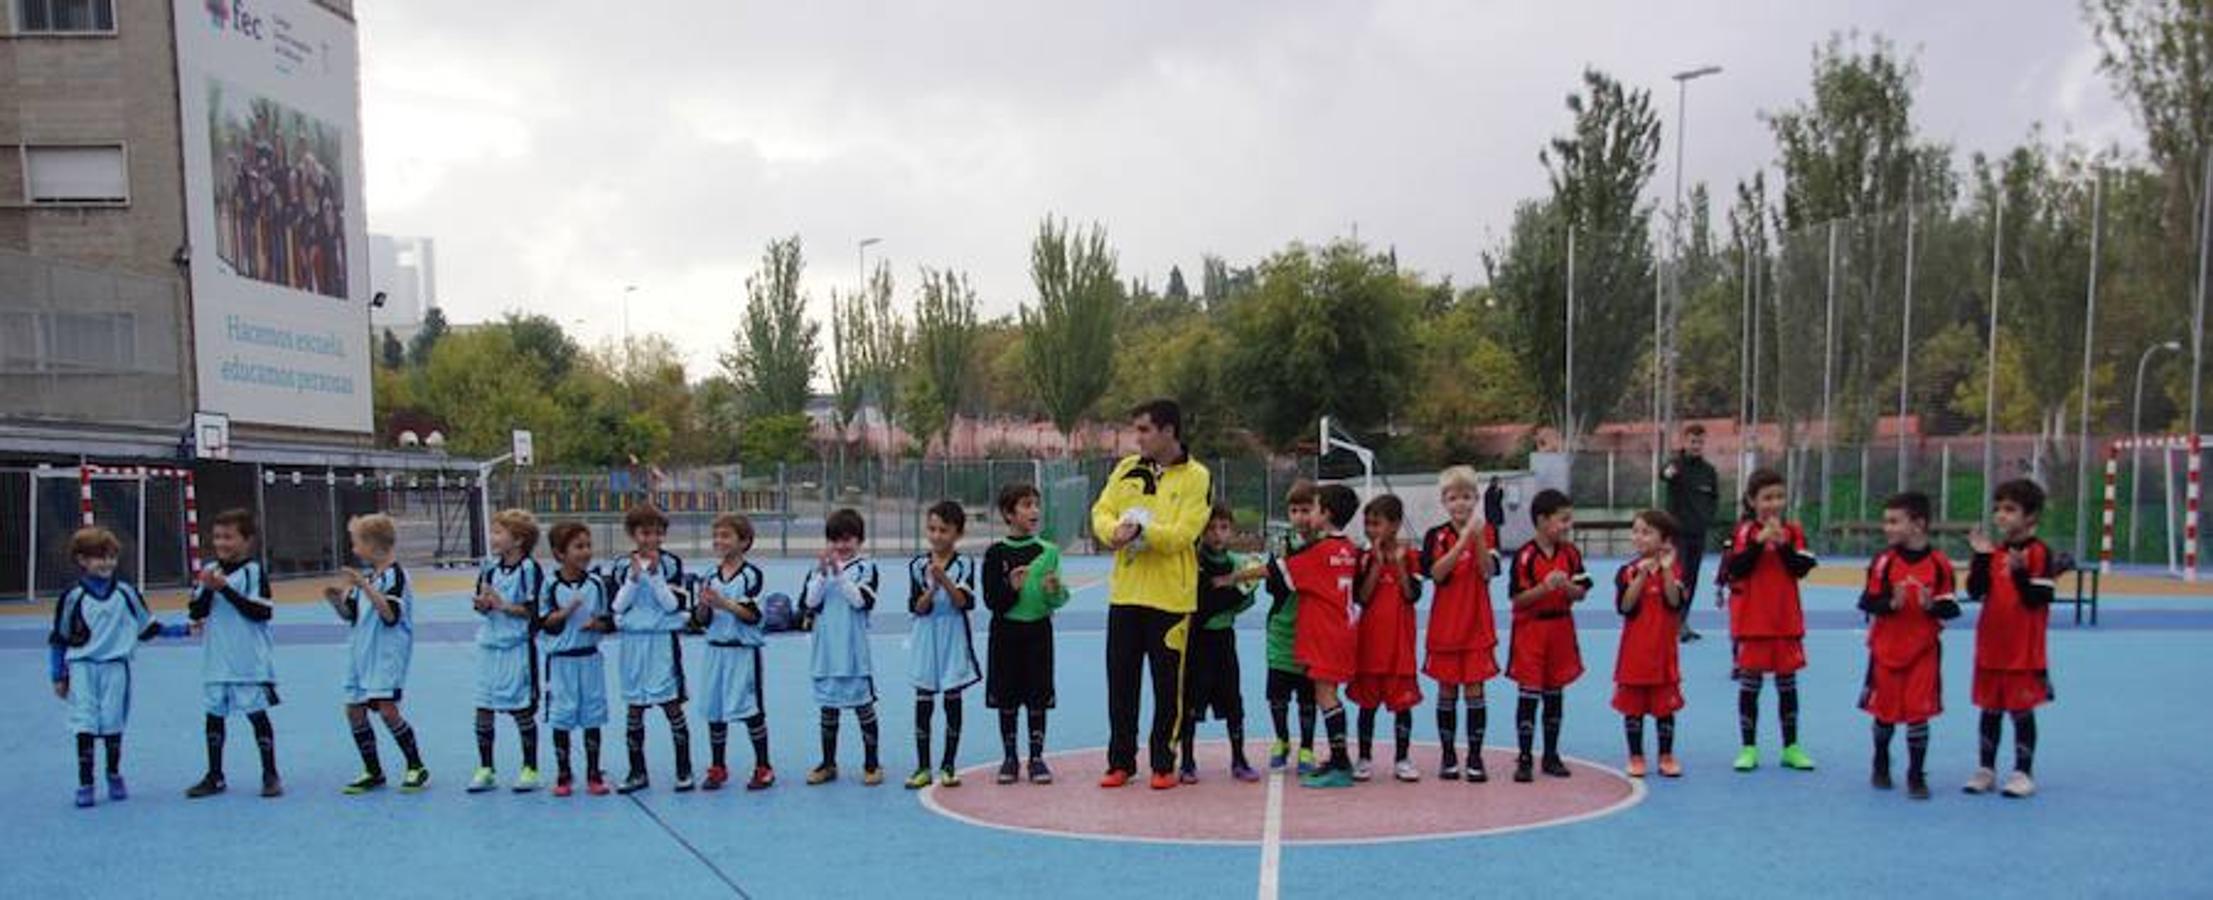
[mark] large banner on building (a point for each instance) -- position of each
(271, 99)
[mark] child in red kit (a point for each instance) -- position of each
(1459, 558)
(2014, 584)
(1909, 594)
(1321, 573)
(1767, 557)
(1543, 659)
(1386, 673)
(1647, 678)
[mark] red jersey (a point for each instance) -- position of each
(1322, 574)
(1460, 605)
(1900, 637)
(1648, 637)
(1763, 582)
(1387, 619)
(1531, 567)
(2016, 606)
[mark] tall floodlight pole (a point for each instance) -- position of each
(1664, 352)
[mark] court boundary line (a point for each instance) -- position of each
(1637, 792)
(681, 841)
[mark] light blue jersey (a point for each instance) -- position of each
(101, 622)
(742, 587)
(517, 584)
(378, 650)
(570, 638)
(944, 655)
(844, 677)
(236, 645)
(650, 601)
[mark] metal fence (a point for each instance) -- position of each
(302, 514)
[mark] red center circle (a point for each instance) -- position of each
(1221, 810)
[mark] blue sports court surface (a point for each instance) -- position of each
(2122, 768)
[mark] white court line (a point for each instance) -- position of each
(1271, 838)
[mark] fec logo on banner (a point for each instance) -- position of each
(270, 95)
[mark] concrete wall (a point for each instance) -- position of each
(98, 89)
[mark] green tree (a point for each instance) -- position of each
(849, 332)
(541, 338)
(944, 347)
(1325, 333)
(1598, 172)
(774, 350)
(394, 353)
(1176, 291)
(483, 388)
(1068, 336)
(885, 348)
(426, 339)
(772, 439)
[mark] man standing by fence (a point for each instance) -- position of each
(1149, 516)
(1693, 494)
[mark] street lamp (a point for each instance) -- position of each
(1663, 321)
(2135, 429)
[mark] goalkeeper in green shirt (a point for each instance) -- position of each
(1022, 588)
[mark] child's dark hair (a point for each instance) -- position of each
(843, 524)
(93, 542)
(1659, 520)
(1761, 479)
(1012, 495)
(566, 533)
(1913, 503)
(739, 525)
(1340, 502)
(1221, 512)
(1547, 502)
(1302, 492)
(642, 515)
(2020, 492)
(1387, 507)
(238, 519)
(950, 513)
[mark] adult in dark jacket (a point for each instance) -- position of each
(1693, 495)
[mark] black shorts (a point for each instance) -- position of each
(1018, 667)
(1210, 677)
(1284, 686)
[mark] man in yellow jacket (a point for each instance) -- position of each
(1150, 516)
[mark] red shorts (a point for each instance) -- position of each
(2011, 690)
(1904, 695)
(1544, 655)
(1328, 651)
(1648, 699)
(1397, 693)
(1461, 666)
(1781, 656)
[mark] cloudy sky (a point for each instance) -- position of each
(560, 150)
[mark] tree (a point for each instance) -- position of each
(1464, 376)
(394, 352)
(1325, 333)
(1176, 291)
(849, 332)
(1598, 172)
(426, 340)
(884, 349)
(769, 440)
(774, 350)
(482, 388)
(2159, 56)
(541, 338)
(1068, 337)
(944, 346)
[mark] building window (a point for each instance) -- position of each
(78, 174)
(64, 16)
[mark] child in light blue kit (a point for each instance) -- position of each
(652, 607)
(98, 624)
(507, 588)
(729, 606)
(574, 612)
(379, 610)
(943, 590)
(230, 609)
(839, 593)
